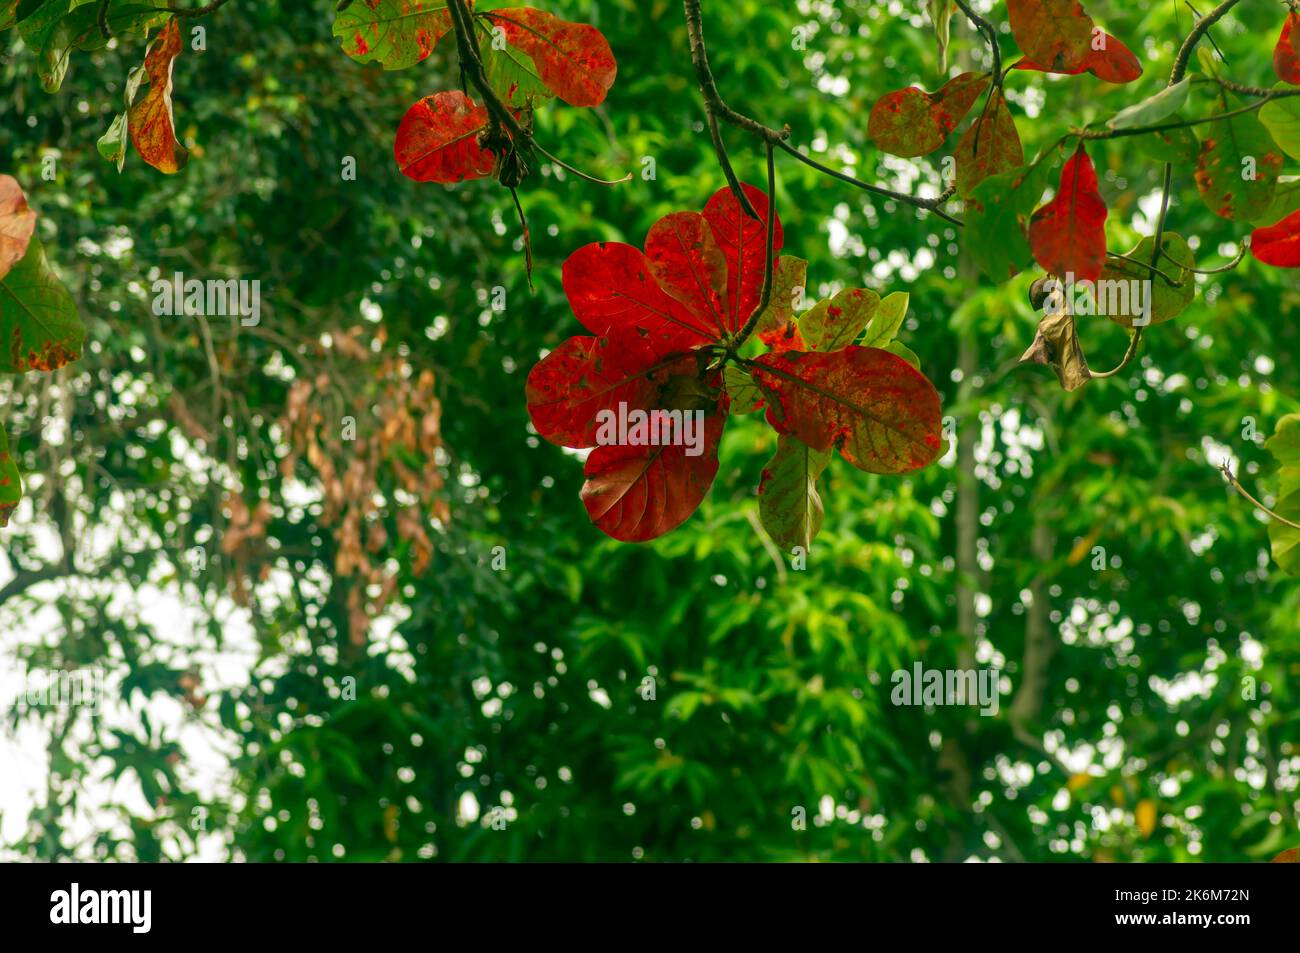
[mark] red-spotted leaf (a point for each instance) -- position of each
(17, 222)
(911, 122)
(1055, 33)
(1238, 166)
(438, 140)
(776, 325)
(990, 146)
(572, 59)
(743, 241)
(689, 265)
(881, 412)
(1108, 59)
(40, 329)
(788, 502)
(151, 123)
(837, 322)
(1278, 245)
(568, 389)
(1068, 234)
(612, 291)
(394, 33)
(1286, 55)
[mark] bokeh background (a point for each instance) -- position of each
(310, 648)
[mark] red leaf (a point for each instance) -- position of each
(1286, 55)
(1278, 245)
(636, 493)
(881, 412)
(150, 121)
(990, 146)
(1068, 234)
(1113, 63)
(17, 223)
(911, 122)
(689, 265)
(569, 387)
(573, 59)
(743, 241)
(611, 291)
(438, 140)
(1055, 33)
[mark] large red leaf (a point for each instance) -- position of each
(743, 241)
(1286, 55)
(689, 265)
(1068, 234)
(573, 59)
(881, 412)
(1113, 63)
(438, 140)
(990, 146)
(150, 120)
(911, 122)
(636, 493)
(611, 291)
(585, 375)
(1278, 245)
(1055, 33)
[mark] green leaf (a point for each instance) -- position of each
(39, 325)
(887, 320)
(394, 33)
(1152, 110)
(997, 218)
(744, 393)
(11, 482)
(788, 502)
(836, 322)
(1237, 169)
(1285, 201)
(1285, 447)
(1281, 117)
(1171, 145)
(1168, 300)
(112, 144)
(903, 351)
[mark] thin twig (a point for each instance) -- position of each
(1236, 260)
(197, 11)
(578, 172)
(102, 19)
(769, 266)
(1226, 469)
(991, 34)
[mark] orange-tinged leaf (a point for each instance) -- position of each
(573, 59)
(1112, 62)
(1286, 54)
(1145, 814)
(1054, 33)
(1291, 856)
(17, 222)
(911, 122)
(990, 146)
(151, 123)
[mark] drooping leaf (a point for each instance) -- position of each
(743, 241)
(997, 219)
(1153, 109)
(1054, 33)
(112, 144)
(1068, 234)
(1126, 285)
(1281, 117)
(40, 329)
(940, 13)
(990, 146)
(17, 223)
(567, 389)
(150, 121)
(1286, 54)
(438, 140)
(1108, 59)
(881, 412)
(11, 481)
(689, 265)
(1238, 166)
(637, 493)
(573, 59)
(1284, 445)
(1278, 245)
(612, 291)
(911, 122)
(789, 505)
(745, 395)
(394, 33)
(1056, 344)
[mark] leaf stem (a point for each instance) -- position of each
(769, 265)
(1226, 469)
(578, 172)
(991, 34)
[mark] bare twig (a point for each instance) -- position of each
(1226, 469)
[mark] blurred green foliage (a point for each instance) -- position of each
(526, 688)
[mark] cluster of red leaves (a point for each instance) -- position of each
(1279, 244)
(1056, 37)
(445, 137)
(658, 319)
